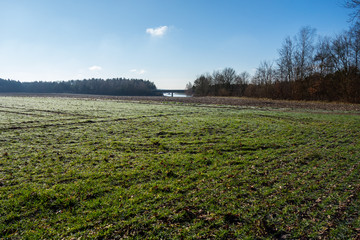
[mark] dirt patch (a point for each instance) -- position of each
(232, 101)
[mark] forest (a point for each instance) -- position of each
(308, 67)
(115, 86)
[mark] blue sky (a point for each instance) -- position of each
(169, 42)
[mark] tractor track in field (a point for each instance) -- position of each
(37, 112)
(82, 122)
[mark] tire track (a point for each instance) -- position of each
(88, 121)
(31, 111)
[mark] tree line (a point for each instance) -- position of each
(308, 67)
(115, 86)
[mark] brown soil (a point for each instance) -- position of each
(231, 101)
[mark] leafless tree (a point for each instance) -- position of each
(341, 52)
(354, 34)
(304, 50)
(218, 78)
(286, 61)
(264, 74)
(189, 88)
(353, 4)
(229, 76)
(202, 85)
(323, 56)
(243, 78)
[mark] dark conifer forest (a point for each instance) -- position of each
(115, 86)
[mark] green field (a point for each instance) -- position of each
(109, 169)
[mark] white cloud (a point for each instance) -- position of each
(95, 68)
(157, 32)
(142, 71)
(139, 72)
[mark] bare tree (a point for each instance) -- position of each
(241, 82)
(323, 56)
(354, 34)
(353, 4)
(189, 88)
(243, 78)
(229, 76)
(202, 85)
(286, 60)
(218, 78)
(264, 74)
(341, 52)
(304, 52)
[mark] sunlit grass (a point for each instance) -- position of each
(109, 169)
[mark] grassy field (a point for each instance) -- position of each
(110, 169)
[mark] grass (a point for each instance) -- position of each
(107, 169)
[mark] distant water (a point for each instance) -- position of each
(175, 95)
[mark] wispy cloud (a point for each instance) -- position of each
(95, 68)
(157, 32)
(142, 71)
(139, 72)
